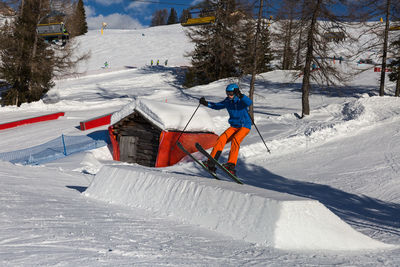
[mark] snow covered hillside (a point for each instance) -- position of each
(328, 194)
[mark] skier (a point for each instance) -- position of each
(313, 67)
(240, 124)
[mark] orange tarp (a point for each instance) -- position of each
(169, 154)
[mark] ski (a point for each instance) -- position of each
(181, 147)
(205, 153)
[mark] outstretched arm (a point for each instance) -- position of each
(219, 105)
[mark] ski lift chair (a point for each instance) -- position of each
(199, 21)
(53, 32)
(206, 17)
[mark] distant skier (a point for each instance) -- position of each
(151, 62)
(237, 105)
(313, 67)
(158, 62)
(166, 62)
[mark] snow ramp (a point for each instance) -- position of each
(243, 212)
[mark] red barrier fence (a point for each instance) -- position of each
(377, 69)
(95, 122)
(47, 117)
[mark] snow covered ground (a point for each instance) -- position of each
(343, 156)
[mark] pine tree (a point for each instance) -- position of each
(286, 31)
(173, 17)
(394, 76)
(265, 54)
(213, 57)
(27, 62)
(185, 16)
(159, 18)
(245, 46)
(79, 18)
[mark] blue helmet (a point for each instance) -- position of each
(231, 87)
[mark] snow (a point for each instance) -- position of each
(244, 212)
(169, 117)
(328, 194)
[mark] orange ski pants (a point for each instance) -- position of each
(233, 135)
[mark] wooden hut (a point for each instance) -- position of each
(145, 132)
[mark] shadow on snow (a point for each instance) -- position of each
(354, 209)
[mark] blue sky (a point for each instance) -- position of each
(128, 14)
(133, 14)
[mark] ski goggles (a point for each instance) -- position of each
(230, 93)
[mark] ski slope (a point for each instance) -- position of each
(328, 194)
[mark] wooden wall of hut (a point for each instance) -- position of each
(138, 140)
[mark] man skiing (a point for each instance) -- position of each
(237, 105)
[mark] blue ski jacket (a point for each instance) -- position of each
(237, 109)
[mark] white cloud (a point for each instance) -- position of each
(114, 21)
(196, 2)
(108, 2)
(137, 6)
(89, 11)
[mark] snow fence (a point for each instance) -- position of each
(243, 212)
(57, 148)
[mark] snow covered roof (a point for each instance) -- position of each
(168, 116)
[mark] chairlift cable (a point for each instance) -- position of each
(162, 3)
(176, 4)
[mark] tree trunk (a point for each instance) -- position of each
(298, 61)
(253, 73)
(305, 88)
(22, 7)
(384, 55)
(397, 92)
(286, 51)
(299, 44)
(34, 48)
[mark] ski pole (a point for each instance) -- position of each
(259, 133)
(188, 122)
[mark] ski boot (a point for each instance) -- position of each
(230, 167)
(210, 166)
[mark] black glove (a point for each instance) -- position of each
(238, 93)
(203, 101)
